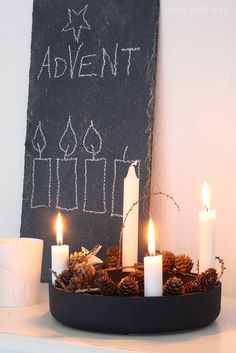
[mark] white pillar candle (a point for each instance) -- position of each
(130, 231)
(60, 253)
(207, 220)
(153, 274)
(20, 271)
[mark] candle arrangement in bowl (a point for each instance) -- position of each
(160, 294)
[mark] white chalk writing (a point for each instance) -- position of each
(77, 22)
(46, 64)
(129, 50)
(41, 183)
(106, 57)
(41, 172)
(91, 136)
(99, 64)
(82, 64)
(68, 141)
(67, 198)
(116, 204)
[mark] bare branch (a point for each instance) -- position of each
(143, 198)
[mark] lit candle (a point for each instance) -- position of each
(60, 253)
(153, 277)
(207, 220)
(130, 231)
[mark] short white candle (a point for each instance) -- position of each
(20, 271)
(60, 253)
(153, 276)
(130, 231)
(207, 220)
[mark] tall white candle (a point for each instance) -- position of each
(60, 253)
(130, 231)
(153, 274)
(207, 220)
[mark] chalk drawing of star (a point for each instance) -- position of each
(77, 22)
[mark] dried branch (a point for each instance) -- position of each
(197, 268)
(88, 290)
(188, 274)
(143, 198)
(222, 267)
(138, 266)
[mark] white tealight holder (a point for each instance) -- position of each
(20, 271)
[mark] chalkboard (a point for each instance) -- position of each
(90, 114)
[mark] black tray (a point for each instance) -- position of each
(138, 315)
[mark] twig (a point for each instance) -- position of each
(58, 278)
(175, 272)
(109, 269)
(222, 267)
(197, 269)
(143, 198)
(88, 290)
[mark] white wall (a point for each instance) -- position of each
(15, 36)
(195, 127)
(195, 131)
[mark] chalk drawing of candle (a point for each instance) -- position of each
(121, 167)
(41, 173)
(95, 173)
(67, 190)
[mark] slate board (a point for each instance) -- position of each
(90, 114)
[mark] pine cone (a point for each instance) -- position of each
(100, 276)
(113, 250)
(105, 283)
(75, 283)
(85, 270)
(76, 257)
(111, 261)
(168, 260)
(64, 277)
(173, 286)
(208, 279)
(191, 287)
(139, 277)
(183, 263)
(128, 286)
(112, 256)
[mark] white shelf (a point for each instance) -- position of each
(33, 330)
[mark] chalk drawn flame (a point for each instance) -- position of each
(68, 141)
(39, 141)
(92, 141)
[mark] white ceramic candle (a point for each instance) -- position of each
(130, 231)
(20, 271)
(153, 276)
(207, 220)
(60, 253)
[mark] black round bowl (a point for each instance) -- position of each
(138, 315)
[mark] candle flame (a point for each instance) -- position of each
(206, 195)
(151, 238)
(59, 229)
